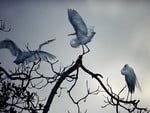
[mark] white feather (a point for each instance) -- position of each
(130, 78)
(26, 56)
(84, 34)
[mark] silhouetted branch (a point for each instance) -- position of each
(14, 76)
(63, 76)
(95, 92)
(115, 100)
(20, 95)
(112, 99)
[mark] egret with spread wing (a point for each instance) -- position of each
(130, 78)
(83, 33)
(26, 56)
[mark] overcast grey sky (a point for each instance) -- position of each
(122, 36)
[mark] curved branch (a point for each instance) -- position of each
(117, 99)
(60, 80)
(14, 76)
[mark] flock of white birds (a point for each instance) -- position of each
(83, 34)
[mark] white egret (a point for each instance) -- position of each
(130, 78)
(26, 56)
(83, 33)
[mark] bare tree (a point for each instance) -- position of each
(16, 94)
(19, 97)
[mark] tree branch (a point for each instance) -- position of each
(63, 76)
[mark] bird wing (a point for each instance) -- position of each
(136, 80)
(9, 44)
(130, 78)
(44, 55)
(36, 55)
(77, 22)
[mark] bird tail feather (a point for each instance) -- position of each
(138, 85)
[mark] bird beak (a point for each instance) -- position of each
(51, 40)
(71, 34)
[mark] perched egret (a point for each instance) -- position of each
(130, 78)
(83, 33)
(26, 56)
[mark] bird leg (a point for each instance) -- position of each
(131, 97)
(127, 96)
(88, 50)
(85, 52)
(83, 49)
